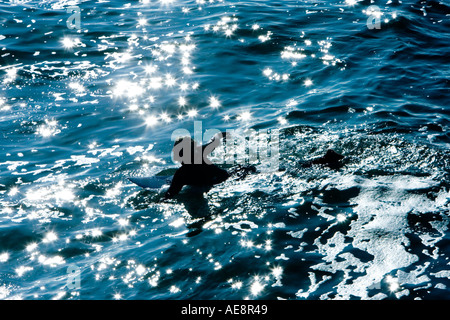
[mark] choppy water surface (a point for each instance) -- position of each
(83, 109)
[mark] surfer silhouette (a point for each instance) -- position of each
(196, 169)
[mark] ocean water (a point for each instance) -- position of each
(87, 104)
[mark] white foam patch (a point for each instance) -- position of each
(297, 234)
(442, 274)
(243, 225)
(5, 292)
(382, 208)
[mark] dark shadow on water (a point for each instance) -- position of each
(144, 198)
(197, 207)
(192, 198)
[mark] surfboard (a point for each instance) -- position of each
(154, 182)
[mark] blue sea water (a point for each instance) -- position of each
(82, 109)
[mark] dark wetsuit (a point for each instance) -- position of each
(196, 175)
(196, 169)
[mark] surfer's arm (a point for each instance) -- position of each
(176, 185)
